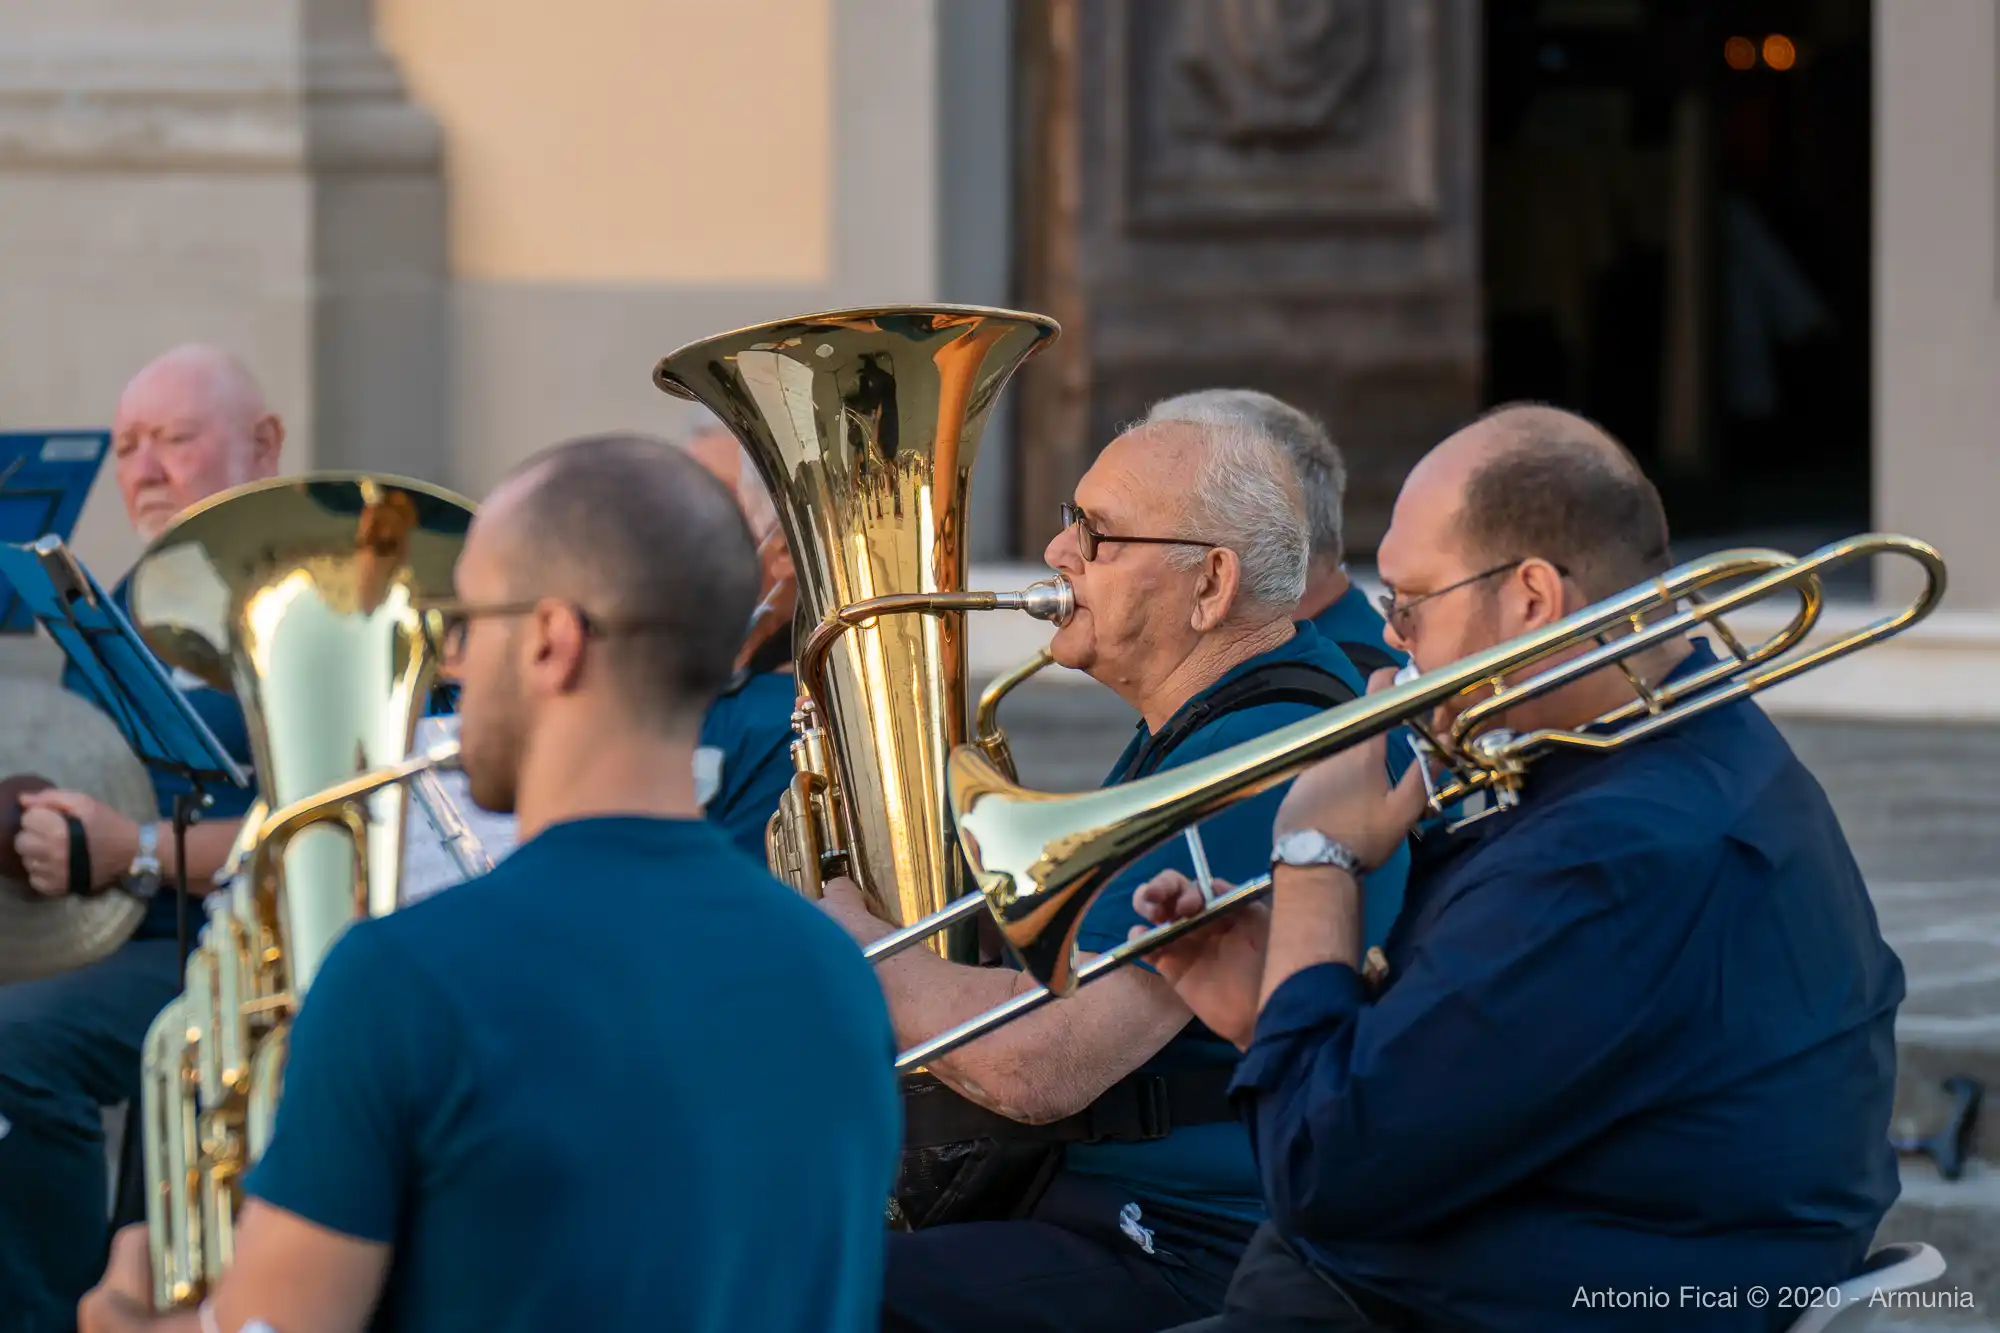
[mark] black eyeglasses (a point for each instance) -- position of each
(445, 622)
(1398, 613)
(1088, 539)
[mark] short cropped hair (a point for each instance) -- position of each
(1305, 440)
(1246, 495)
(1562, 488)
(651, 545)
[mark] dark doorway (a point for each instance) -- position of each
(1677, 215)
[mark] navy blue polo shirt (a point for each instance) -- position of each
(1208, 1169)
(744, 761)
(224, 717)
(569, 1095)
(1638, 1032)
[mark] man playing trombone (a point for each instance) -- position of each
(1187, 551)
(1638, 1030)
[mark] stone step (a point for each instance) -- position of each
(1962, 1219)
(1928, 1052)
(1920, 804)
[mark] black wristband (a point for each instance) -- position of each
(79, 856)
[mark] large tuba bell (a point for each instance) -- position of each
(302, 597)
(864, 425)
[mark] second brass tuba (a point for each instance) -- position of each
(864, 425)
(302, 597)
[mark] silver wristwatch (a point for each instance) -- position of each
(1310, 847)
(142, 877)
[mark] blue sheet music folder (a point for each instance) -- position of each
(45, 476)
(133, 686)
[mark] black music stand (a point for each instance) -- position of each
(132, 686)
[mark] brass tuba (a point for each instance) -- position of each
(864, 425)
(302, 597)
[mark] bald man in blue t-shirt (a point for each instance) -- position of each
(566, 1094)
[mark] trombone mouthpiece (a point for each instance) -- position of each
(442, 755)
(1051, 599)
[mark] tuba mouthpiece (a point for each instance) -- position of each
(1051, 599)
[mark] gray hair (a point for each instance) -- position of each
(1247, 495)
(1305, 440)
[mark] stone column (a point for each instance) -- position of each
(232, 171)
(1937, 287)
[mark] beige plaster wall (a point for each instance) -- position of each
(1937, 285)
(623, 141)
(629, 175)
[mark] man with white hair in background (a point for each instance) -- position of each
(1187, 549)
(190, 424)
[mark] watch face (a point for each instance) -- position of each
(1301, 843)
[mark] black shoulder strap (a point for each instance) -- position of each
(773, 653)
(1368, 658)
(1272, 683)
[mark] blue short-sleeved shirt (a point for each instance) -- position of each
(1208, 1168)
(223, 716)
(744, 762)
(568, 1094)
(1638, 1032)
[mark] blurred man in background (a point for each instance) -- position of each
(744, 761)
(190, 424)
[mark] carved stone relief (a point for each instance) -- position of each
(1271, 194)
(1266, 111)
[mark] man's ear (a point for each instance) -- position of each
(1544, 596)
(267, 441)
(1216, 589)
(553, 649)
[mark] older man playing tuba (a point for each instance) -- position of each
(1187, 549)
(189, 424)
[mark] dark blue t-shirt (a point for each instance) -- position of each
(1638, 1032)
(744, 762)
(224, 717)
(627, 1080)
(1208, 1169)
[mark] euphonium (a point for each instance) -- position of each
(302, 597)
(864, 425)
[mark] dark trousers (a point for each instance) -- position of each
(1275, 1291)
(1069, 1267)
(69, 1045)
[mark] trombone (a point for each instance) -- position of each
(1041, 858)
